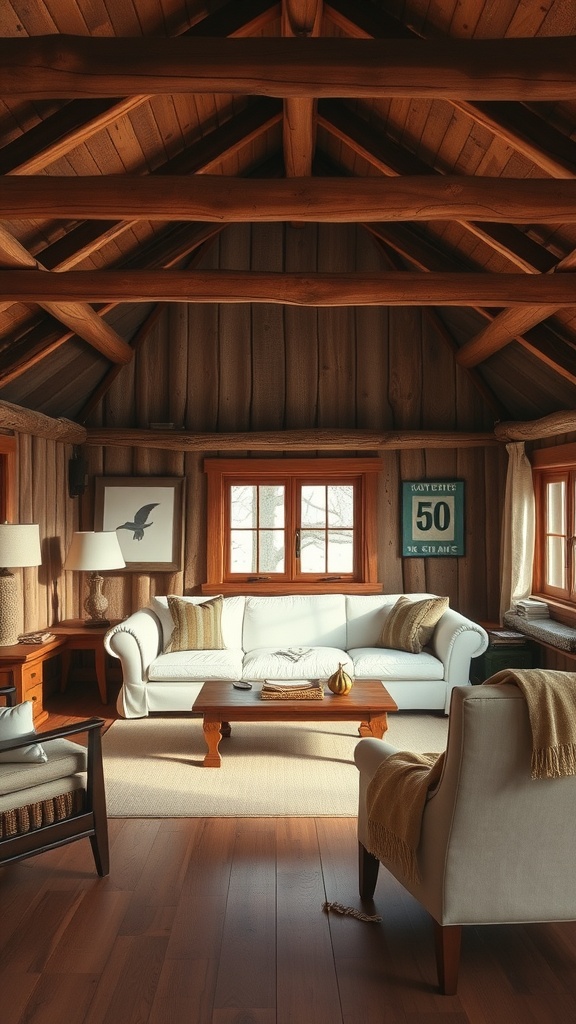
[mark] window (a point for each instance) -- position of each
(301, 525)
(555, 491)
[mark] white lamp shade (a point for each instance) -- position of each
(19, 545)
(93, 552)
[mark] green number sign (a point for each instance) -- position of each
(432, 518)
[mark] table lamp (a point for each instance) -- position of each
(19, 547)
(94, 552)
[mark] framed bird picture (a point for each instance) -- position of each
(147, 515)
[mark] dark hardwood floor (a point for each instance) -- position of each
(220, 921)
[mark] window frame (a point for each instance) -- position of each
(8, 450)
(223, 473)
(552, 465)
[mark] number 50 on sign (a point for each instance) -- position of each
(432, 518)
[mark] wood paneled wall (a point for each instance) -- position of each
(242, 367)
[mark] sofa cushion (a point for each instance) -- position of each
(232, 617)
(309, 620)
(365, 614)
(194, 665)
(197, 627)
(272, 663)
(17, 722)
(410, 624)
(374, 663)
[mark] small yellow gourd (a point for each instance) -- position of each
(340, 682)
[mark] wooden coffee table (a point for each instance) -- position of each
(218, 701)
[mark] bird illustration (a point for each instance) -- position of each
(139, 524)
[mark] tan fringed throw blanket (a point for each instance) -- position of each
(395, 801)
(551, 699)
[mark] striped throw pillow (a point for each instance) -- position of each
(410, 624)
(197, 627)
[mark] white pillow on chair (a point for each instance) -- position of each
(15, 723)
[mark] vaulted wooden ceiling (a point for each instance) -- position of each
(133, 131)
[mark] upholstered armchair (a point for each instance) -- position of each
(51, 788)
(496, 845)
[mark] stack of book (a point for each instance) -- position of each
(506, 636)
(35, 638)
(530, 608)
(294, 689)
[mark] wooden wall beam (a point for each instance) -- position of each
(287, 440)
(400, 288)
(548, 426)
(69, 67)
(330, 200)
(26, 421)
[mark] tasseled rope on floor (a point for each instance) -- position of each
(338, 908)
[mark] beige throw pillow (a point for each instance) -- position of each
(410, 624)
(197, 627)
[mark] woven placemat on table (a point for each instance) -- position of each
(313, 692)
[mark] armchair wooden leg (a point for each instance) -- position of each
(367, 872)
(447, 940)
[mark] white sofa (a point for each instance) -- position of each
(259, 632)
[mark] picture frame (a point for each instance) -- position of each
(433, 518)
(147, 515)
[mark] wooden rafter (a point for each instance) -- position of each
(69, 67)
(78, 316)
(79, 120)
(300, 19)
(529, 134)
(402, 288)
(393, 160)
(345, 200)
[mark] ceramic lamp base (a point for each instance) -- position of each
(96, 604)
(8, 609)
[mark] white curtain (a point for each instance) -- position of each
(517, 529)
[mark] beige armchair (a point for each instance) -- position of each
(52, 789)
(496, 846)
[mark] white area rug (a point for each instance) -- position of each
(153, 766)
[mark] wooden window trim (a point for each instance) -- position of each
(220, 472)
(8, 449)
(546, 464)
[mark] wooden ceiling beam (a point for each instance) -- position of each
(79, 120)
(37, 343)
(72, 67)
(393, 160)
(504, 329)
(330, 200)
(351, 289)
(79, 317)
(408, 242)
(521, 128)
(300, 19)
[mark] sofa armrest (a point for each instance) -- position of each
(455, 642)
(136, 641)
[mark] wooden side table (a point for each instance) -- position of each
(77, 636)
(22, 665)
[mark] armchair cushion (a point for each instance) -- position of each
(410, 624)
(16, 722)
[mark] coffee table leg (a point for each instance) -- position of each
(212, 735)
(376, 726)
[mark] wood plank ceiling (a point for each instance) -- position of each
(448, 129)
